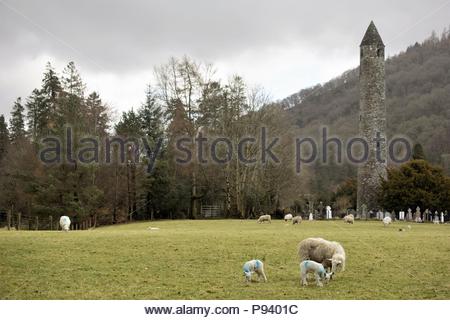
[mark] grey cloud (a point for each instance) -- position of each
(127, 36)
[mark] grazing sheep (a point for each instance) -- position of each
(288, 217)
(324, 252)
(318, 269)
(254, 266)
(265, 218)
(64, 222)
(296, 220)
(349, 218)
(387, 221)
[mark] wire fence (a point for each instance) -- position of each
(19, 221)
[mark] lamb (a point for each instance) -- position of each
(349, 218)
(288, 217)
(318, 269)
(297, 220)
(387, 221)
(324, 252)
(254, 266)
(264, 218)
(64, 222)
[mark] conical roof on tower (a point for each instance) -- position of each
(372, 37)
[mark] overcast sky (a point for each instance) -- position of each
(283, 45)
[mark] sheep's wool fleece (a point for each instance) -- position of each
(387, 220)
(64, 222)
(318, 249)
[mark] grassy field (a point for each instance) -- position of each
(203, 260)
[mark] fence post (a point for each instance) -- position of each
(19, 220)
(36, 227)
(8, 219)
(51, 222)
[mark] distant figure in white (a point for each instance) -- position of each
(64, 222)
(442, 217)
(288, 217)
(328, 213)
(311, 218)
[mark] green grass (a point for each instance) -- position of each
(203, 260)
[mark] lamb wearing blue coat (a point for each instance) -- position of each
(318, 269)
(254, 266)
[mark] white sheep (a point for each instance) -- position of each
(349, 218)
(318, 269)
(296, 220)
(265, 218)
(64, 222)
(330, 254)
(288, 217)
(387, 221)
(254, 266)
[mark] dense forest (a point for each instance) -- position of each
(188, 100)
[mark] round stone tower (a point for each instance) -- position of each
(372, 118)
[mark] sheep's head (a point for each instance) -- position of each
(328, 276)
(248, 276)
(337, 263)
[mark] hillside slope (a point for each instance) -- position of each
(417, 92)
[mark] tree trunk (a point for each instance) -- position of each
(116, 186)
(133, 189)
(130, 218)
(228, 195)
(148, 212)
(194, 199)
